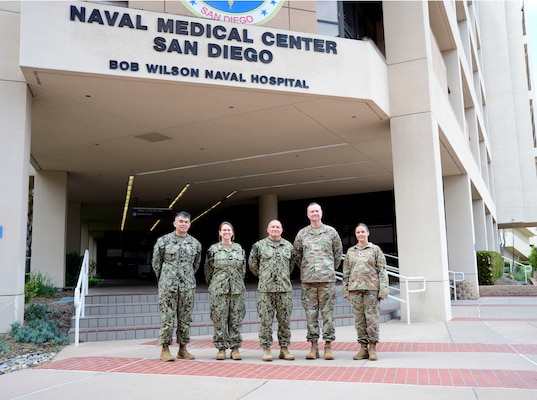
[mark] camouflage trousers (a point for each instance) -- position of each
(319, 297)
(227, 313)
(366, 310)
(280, 303)
(173, 305)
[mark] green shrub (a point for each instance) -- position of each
(520, 273)
(39, 285)
(94, 280)
(533, 258)
(489, 267)
(4, 347)
(39, 328)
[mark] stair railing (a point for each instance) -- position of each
(526, 268)
(81, 291)
(407, 280)
(455, 276)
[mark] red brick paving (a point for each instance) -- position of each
(326, 373)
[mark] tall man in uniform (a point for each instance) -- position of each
(318, 254)
(176, 258)
(272, 260)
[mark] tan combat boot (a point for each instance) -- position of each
(373, 351)
(363, 354)
(184, 354)
(221, 355)
(328, 355)
(165, 354)
(285, 355)
(314, 351)
(235, 354)
(267, 355)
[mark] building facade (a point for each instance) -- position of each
(110, 105)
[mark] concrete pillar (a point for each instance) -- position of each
(419, 200)
(15, 133)
(268, 210)
(74, 228)
(421, 229)
(460, 235)
(480, 225)
(50, 225)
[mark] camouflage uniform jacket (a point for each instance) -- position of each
(318, 253)
(272, 262)
(364, 268)
(225, 269)
(175, 262)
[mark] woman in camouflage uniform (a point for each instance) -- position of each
(225, 268)
(365, 284)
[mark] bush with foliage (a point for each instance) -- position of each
(4, 347)
(39, 285)
(39, 328)
(489, 267)
(533, 258)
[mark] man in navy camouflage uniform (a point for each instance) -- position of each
(272, 260)
(176, 258)
(318, 254)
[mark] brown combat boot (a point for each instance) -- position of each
(328, 355)
(184, 354)
(165, 354)
(235, 354)
(373, 351)
(267, 355)
(285, 355)
(221, 355)
(314, 351)
(363, 354)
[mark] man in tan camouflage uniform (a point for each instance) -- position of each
(176, 258)
(365, 284)
(272, 260)
(318, 254)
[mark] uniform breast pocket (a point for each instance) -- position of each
(268, 254)
(170, 253)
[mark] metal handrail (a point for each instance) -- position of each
(81, 291)
(394, 271)
(455, 274)
(527, 268)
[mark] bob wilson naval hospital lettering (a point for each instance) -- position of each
(185, 38)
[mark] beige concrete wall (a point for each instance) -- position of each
(15, 122)
(50, 225)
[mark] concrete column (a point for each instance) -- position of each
(268, 210)
(74, 228)
(480, 225)
(50, 225)
(419, 200)
(421, 229)
(15, 133)
(460, 235)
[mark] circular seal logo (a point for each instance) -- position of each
(238, 11)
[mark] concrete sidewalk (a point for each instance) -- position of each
(487, 351)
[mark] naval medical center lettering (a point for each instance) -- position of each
(183, 37)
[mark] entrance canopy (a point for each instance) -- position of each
(114, 99)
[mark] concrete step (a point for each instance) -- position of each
(137, 316)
